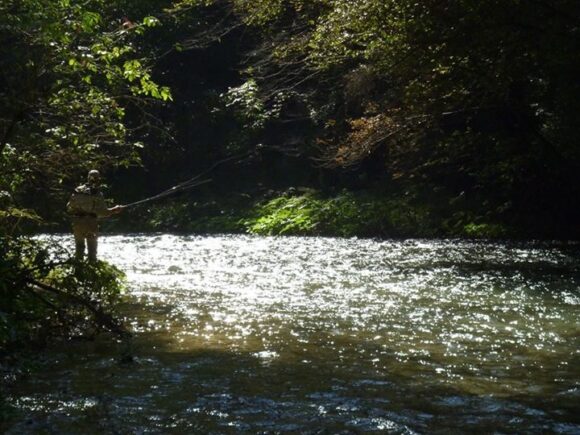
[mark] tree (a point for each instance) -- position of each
(478, 97)
(69, 71)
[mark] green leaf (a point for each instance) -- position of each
(151, 21)
(90, 21)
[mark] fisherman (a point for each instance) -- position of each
(85, 206)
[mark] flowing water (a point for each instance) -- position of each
(239, 334)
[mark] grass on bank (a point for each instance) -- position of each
(311, 213)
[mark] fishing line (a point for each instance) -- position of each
(192, 182)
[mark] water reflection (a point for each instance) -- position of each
(256, 334)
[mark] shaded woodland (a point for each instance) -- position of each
(379, 118)
(459, 111)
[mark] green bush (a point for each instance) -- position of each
(484, 230)
(347, 214)
(403, 213)
(286, 215)
(44, 292)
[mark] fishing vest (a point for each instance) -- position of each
(86, 201)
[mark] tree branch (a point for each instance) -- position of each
(103, 319)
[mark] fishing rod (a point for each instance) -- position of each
(192, 182)
(171, 191)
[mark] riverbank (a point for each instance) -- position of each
(348, 213)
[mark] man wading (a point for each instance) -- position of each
(85, 206)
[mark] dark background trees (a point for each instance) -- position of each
(475, 101)
(468, 108)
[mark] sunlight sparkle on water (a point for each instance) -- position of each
(355, 327)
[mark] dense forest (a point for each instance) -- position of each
(372, 118)
(398, 118)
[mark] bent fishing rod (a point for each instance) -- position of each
(192, 182)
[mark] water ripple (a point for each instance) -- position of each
(297, 334)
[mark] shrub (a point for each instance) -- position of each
(44, 292)
(347, 214)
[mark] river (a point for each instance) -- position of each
(241, 334)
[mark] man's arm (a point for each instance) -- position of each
(101, 209)
(115, 210)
